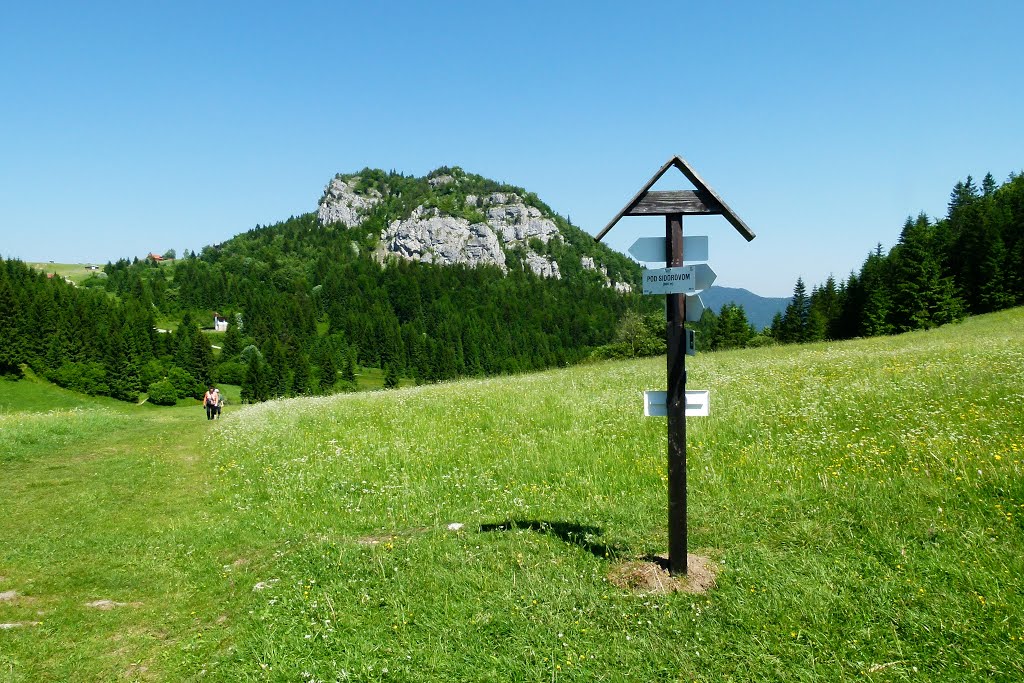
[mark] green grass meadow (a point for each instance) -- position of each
(863, 502)
(75, 272)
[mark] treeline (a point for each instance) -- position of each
(970, 262)
(85, 340)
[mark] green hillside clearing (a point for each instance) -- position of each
(75, 272)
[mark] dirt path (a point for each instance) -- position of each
(111, 554)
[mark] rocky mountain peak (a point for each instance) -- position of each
(447, 221)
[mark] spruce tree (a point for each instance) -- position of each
(915, 278)
(348, 369)
(279, 372)
(795, 319)
(328, 367)
(301, 379)
(10, 330)
(732, 329)
(201, 361)
(256, 386)
(390, 376)
(826, 307)
(232, 344)
(874, 278)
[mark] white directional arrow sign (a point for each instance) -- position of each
(704, 275)
(679, 280)
(698, 403)
(694, 308)
(652, 249)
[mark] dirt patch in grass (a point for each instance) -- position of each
(110, 604)
(376, 539)
(13, 597)
(651, 575)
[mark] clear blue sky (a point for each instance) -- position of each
(134, 127)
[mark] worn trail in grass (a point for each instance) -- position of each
(108, 552)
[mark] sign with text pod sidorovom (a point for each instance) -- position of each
(678, 280)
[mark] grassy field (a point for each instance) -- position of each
(862, 501)
(75, 272)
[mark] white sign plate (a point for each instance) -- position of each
(698, 403)
(691, 343)
(678, 280)
(652, 249)
(694, 308)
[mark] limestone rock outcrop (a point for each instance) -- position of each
(340, 203)
(431, 237)
(517, 222)
(445, 240)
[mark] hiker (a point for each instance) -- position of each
(210, 403)
(218, 402)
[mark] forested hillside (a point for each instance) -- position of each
(308, 301)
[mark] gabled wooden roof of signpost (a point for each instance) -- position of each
(702, 201)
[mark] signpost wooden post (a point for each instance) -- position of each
(673, 206)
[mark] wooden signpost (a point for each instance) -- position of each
(673, 206)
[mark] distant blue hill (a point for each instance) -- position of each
(759, 309)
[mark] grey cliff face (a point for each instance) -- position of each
(542, 265)
(341, 204)
(445, 240)
(517, 222)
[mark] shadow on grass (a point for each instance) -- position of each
(580, 535)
